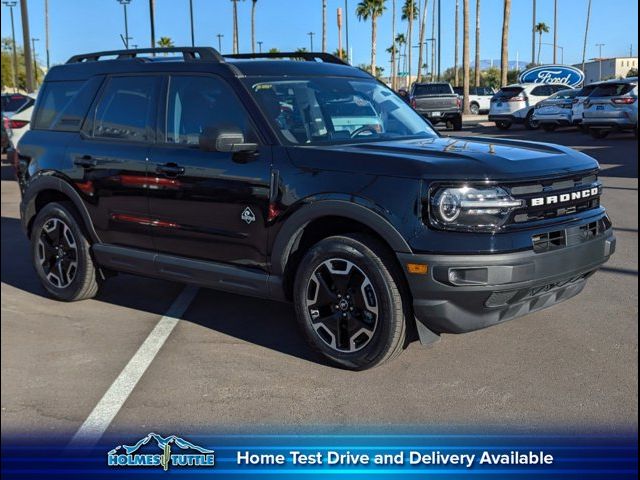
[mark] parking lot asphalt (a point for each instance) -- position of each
(234, 363)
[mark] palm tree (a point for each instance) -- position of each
(540, 29)
(401, 41)
(409, 13)
(504, 53)
(165, 42)
(586, 31)
(465, 56)
(476, 80)
(324, 25)
(253, 25)
(371, 9)
(393, 49)
(455, 55)
(423, 27)
(235, 26)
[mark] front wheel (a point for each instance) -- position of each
(61, 253)
(502, 125)
(347, 296)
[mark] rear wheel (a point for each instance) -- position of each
(549, 127)
(456, 123)
(503, 125)
(598, 133)
(61, 254)
(348, 301)
(529, 122)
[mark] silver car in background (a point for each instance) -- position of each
(556, 111)
(579, 101)
(613, 106)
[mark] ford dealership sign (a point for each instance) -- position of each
(569, 76)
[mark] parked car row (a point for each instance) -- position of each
(597, 108)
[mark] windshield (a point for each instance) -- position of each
(325, 110)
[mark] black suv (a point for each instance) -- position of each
(299, 178)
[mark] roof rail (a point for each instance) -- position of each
(307, 56)
(203, 54)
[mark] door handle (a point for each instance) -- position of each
(170, 169)
(86, 161)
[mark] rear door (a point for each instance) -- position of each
(112, 154)
(208, 205)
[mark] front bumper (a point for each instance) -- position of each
(461, 293)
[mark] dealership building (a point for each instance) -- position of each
(606, 68)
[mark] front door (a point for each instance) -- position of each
(208, 205)
(112, 152)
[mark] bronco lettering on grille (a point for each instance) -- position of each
(564, 197)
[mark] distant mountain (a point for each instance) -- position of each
(161, 442)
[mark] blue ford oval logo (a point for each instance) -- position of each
(562, 74)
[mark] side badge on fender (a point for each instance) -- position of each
(248, 216)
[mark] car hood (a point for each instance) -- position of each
(476, 158)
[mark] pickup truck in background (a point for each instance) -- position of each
(479, 98)
(438, 103)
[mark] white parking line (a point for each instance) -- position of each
(110, 404)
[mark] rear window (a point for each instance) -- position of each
(509, 92)
(612, 89)
(587, 90)
(15, 103)
(432, 89)
(62, 106)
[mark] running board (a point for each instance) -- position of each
(218, 276)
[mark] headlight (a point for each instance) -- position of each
(472, 208)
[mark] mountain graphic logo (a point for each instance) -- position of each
(186, 454)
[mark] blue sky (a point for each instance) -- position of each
(88, 25)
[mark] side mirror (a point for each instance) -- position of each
(225, 139)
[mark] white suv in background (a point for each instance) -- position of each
(515, 103)
(613, 105)
(479, 98)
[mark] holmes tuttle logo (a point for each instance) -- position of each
(132, 456)
(557, 74)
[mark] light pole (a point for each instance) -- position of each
(346, 27)
(259, 42)
(558, 47)
(311, 34)
(219, 35)
(124, 3)
(600, 45)
(35, 65)
(13, 40)
(152, 22)
(46, 30)
(193, 38)
(555, 30)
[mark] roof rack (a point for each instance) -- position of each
(307, 56)
(189, 54)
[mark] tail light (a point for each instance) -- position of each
(624, 100)
(458, 102)
(519, 98)
(14, 124)
(5, 121)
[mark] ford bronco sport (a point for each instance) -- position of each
(299, 178)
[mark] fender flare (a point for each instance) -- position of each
(293, 227)
(50, 182)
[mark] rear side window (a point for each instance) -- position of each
(612, 89)
(127, 109)
(432, 89)
(15, 102)
(509, 92)
(62, 106)
(542, 91)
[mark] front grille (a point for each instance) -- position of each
(564, 187)
(545, 242)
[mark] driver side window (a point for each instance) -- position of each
(197, 102)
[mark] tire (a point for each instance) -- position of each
(549, 127)
(61, 253)
(474, 108)
(583, 129)
(598, 133)
(503, 125)
(366, 326)
(529, 122)
(456, 124)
